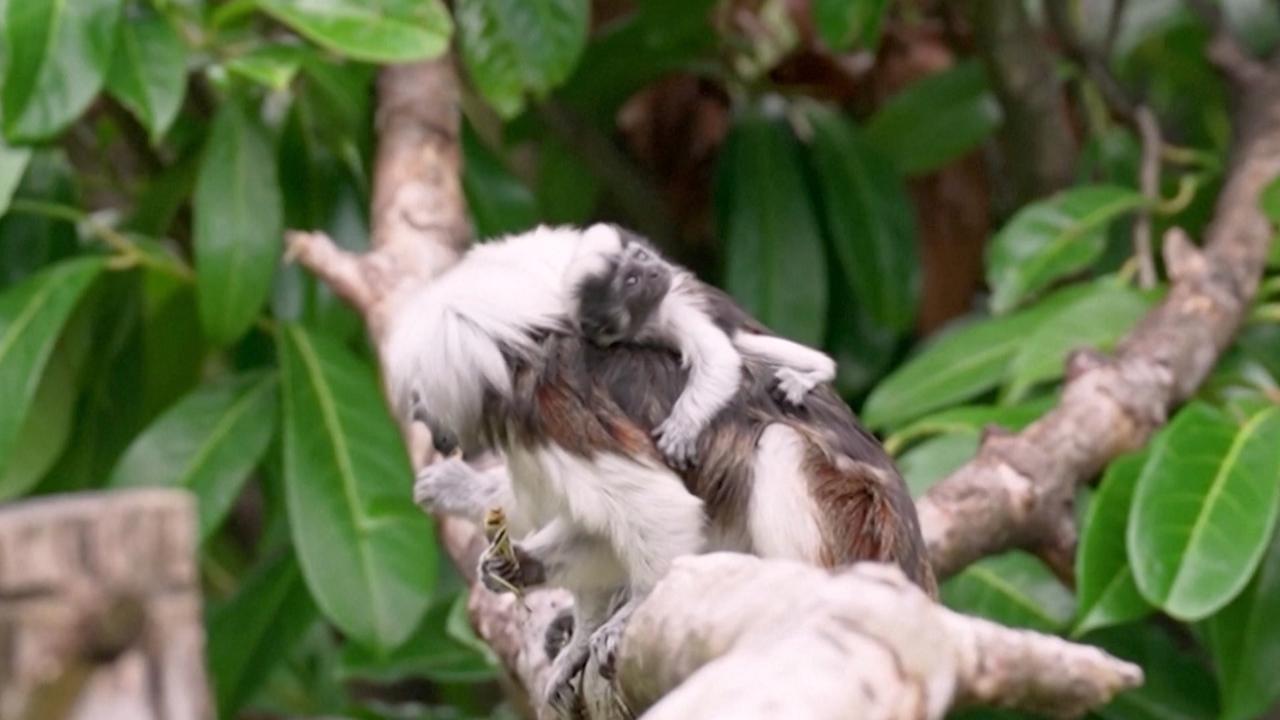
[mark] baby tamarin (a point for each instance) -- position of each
(622, 290)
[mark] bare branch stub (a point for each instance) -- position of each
(1011, 494)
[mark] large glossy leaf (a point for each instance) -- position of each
(32, 315)
(936, 120)
(388, 31)
(46, 430)
(842, 23)
(774, 258)
(962, 363)
(1050, 239)
(971, 419)
(1204, 509)
(498, 201)
(429, 653)
(207, 443)
(255, 630)
(869, 220)
(238, 224)
(515, 47)
(1097, 320)
(862, 348)
(1245, 640)
(932, 460)
(148, 72)
(1177, 684)
(1108, 595)
(1012, 589)
(13, 162)
(366, 550)
(59, 51)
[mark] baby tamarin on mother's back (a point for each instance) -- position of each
(622, 290)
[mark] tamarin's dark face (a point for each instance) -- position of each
(614, 306)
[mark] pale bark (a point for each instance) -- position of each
(100, 613)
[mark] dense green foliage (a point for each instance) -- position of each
(153, 151)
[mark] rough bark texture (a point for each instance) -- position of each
(733, 636)
(1018, 491)
(418, 150)
(100, 608)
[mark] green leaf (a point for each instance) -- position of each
(366, 550)
(499, 202)
(1177, 686)
(959, 365)
(59, 51)
(430, 652)
(842, 23)
(207, 443)
(148, 72)
(869, 220)
(936, 120)
(32, 315)
(13, 163)
(389, 31)
(1012, 589)
(932, 460)
(1052, 238)
(514, 47)
(971, 419)
(1204, 509)
(1098, 320)
(238, 224)
(272, 66)
(773, 246)
(253, 632)
(46, 430)
(862, 348)
(1244, 638)
(1108, 595)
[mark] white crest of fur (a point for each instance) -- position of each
(597, 245)
(445, 343)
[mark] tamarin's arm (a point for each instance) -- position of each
(799, 368)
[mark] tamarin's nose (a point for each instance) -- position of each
(445, 442)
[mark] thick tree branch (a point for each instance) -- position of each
(1017, 492)
(733, 636)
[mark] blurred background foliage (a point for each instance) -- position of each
(940, 194)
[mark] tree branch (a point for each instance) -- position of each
(1018, 491)
(734, 636)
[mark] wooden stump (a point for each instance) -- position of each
(100, 608)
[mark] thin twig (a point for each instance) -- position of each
(1091, 60)
(1150, 183)
(1114, 22)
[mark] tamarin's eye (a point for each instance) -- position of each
(642, 255)
(631, 279)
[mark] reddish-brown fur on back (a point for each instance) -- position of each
(588, 400)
